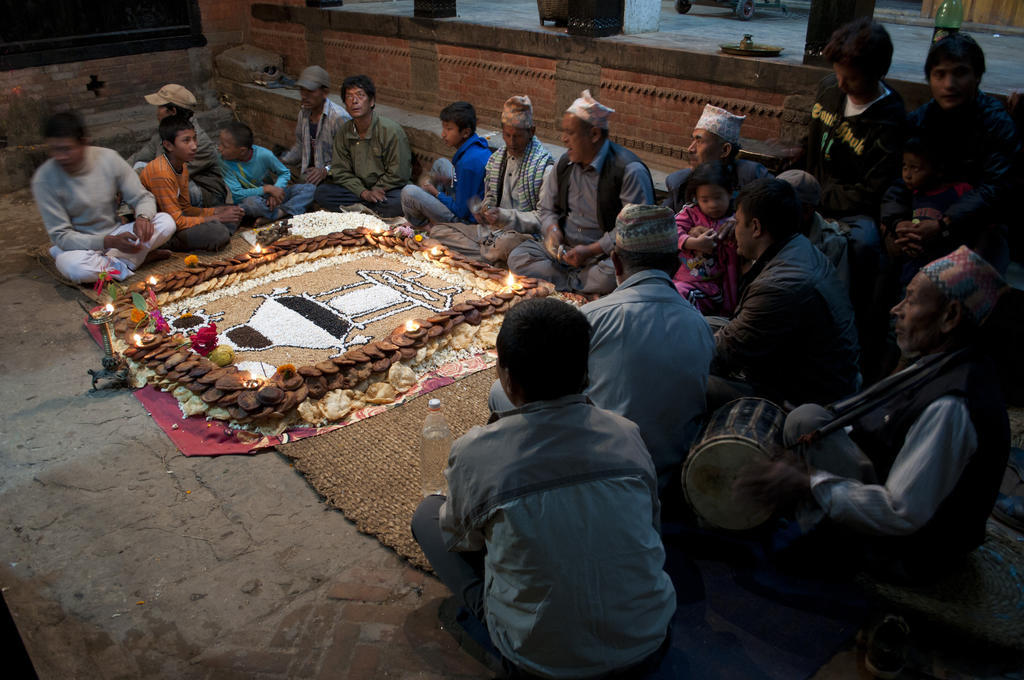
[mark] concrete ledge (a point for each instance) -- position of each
(423, 130)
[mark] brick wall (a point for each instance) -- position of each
(487, 78)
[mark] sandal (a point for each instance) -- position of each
(1010, 511)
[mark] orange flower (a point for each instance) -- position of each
(191, 260)
(418, 237)
(137, 315)
(286, 370)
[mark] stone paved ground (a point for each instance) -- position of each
(123, 559)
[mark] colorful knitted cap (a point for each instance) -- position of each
(965, 276)
(722, 123)
(518, 112)
(646, 229)
(589, 109)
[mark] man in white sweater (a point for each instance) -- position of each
(77, 192)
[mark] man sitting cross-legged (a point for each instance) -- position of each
(549, 534)
(445, 195)
(246, 169)
(579, 202)
(166, 178)
(650, 349)
(372, 161)
(512, 183)
(77, 192)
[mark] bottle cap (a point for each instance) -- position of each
(434, 404)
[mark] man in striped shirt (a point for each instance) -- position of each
(166, 177)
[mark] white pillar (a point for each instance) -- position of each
(641, 16)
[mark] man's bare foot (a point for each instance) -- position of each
(156, 255)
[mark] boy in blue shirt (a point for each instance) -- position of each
(445, 195)
(245, 167)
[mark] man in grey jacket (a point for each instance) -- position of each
(792, 336)
(553, 482)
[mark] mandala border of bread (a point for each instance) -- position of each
(228, 394)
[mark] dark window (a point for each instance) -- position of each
(39, 32)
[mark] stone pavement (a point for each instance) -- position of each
(124, 559)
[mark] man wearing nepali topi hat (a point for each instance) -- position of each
(512, 181)
(205, 187)
(579, 202)
(910, 487)
(643, 331)
(716, 137)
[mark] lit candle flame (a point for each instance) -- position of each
(109, 309)
(411, 325)
(258, 249)
(435, 251)
(151, 280)
(138, 340)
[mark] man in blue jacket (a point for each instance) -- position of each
(444, 196)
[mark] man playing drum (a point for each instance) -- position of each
(911, 485)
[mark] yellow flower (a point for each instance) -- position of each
(137, 316)
(418, 237)
(191, 260)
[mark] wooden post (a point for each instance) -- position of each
(824, 18)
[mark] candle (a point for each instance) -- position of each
(411, 326)
(151, 280)
(511, 282)
(258, 250)
(109, 308)
(435, 251)
(138, 340)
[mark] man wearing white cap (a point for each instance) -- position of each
(205, 187)
(715, 137)
(579, 202)
(512, 182)
(319, 120)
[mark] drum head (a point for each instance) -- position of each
(708, 478)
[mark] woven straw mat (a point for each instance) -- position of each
(370, 470)
(984, 599)
(236, 246)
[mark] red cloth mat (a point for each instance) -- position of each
(197, 436)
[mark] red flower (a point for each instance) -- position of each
(204, 340)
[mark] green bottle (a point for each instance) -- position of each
(948, 19)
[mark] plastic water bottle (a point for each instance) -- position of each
(435, 443)
(948, 18)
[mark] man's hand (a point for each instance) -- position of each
(143, 229)
(228, 214)
(429, 187)
(316, 175)
(552, 239)
(773, 482)
(377, 195)
(274, 194)
(490, 216)
(126, 242)
(577, 256)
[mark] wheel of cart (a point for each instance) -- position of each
(683, 6)
(745, 9)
